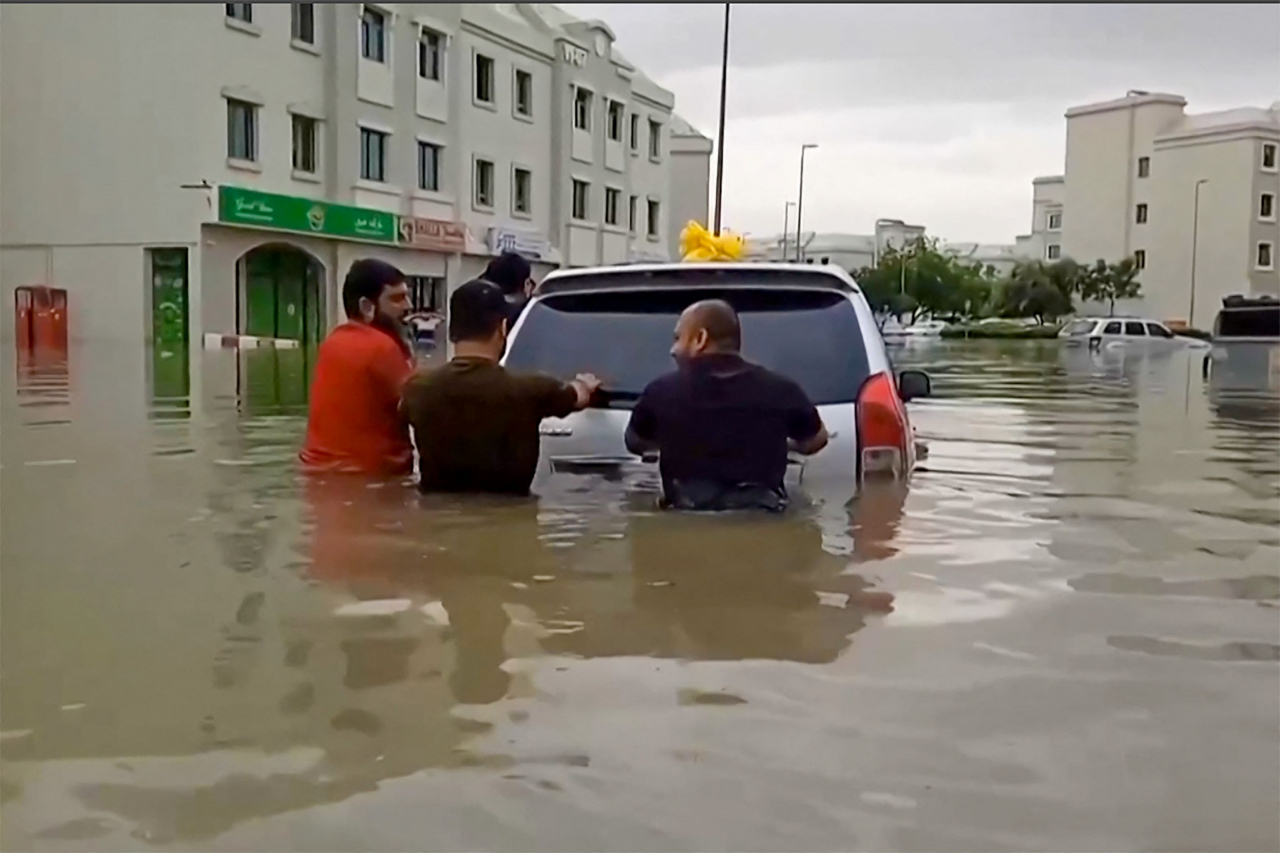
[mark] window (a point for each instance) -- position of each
(484, 79)
(1267, 206)
(1112, 328)
(426, 292)
(373, 155)
(428, 166)
(1144, 167)
(654, 216)
(616, 110)
(1265, 259)
(430, 54)
(240, 12)
(1268, 150)
(304, 22)
(1055, 221)
(631, 214)
(655, 140)
(522, 191)
(1140, 259)
(611, 199)
(635, 132)
(242, 131)
(1155, 330)
(304, 144)
(1140, 216)
(524, 93)
(484, 184)
(581, 198)
(582, 109)
(1053, 251)
(1135, 330)
(373, 35)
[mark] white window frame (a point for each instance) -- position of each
(251, 127)
(1275, 157)
(615, 194)
(419, 148)
(476, 202)
(527, 211)
(1050, 254)
(492, 102)
(1140, 259)
(294, 119)
(585, 216)
(655, 141)
(589, 108)
(442, 52)
(388, 21)
(384, 158)
(609, 105)
(1263, 217)
(1271, 253)
(1050, 225)
(516, 72)
(653, 224)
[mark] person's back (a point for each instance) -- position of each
(722, 425)
(475, 424)
(353, 422)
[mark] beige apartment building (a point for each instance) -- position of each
(182, 169)
(1192, 198)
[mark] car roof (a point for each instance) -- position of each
(700, 274)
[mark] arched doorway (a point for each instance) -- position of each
(281, 291)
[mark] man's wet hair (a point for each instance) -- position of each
(721, 322)
(365, 280)
(476, 310)
(509, 271)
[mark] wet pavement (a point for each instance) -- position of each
(1063, 636)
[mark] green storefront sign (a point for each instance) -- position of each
(237, 206)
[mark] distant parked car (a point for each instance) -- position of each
(1100, 332)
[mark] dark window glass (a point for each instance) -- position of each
(241, 12)
(428, 166)
(811, 337)
(1155, 330)
(429, 50)
(1111, 329)
(1260, 322)
(1135, 330)
(304, 22)
(304, 144)
(373, 35)
(242, 130)
(373, 155)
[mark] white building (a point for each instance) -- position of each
(1143, 179)
(191, 168)
(690, 179)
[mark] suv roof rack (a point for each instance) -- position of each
(642, 276)
(1238, 300)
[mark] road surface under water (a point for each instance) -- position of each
(1062, 636)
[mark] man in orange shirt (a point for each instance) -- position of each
(354, 424)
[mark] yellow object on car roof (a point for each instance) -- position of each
(699, 244)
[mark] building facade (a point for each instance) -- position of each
(223, 179)
(690, 180)
(1191, 198)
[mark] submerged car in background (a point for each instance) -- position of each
(809, 323)
(1108, 332)
(1246, 345)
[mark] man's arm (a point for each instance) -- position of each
(806, 433)
(556, 399)
(810, 446)
(642, 430)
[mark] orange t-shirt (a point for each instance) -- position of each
(354, 423)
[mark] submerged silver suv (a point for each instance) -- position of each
(809, 323)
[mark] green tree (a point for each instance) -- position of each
(1112, 282)
(920, 280)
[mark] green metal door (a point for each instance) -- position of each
(169, 298)
(282, 294)
(260, 294)
(291, 270)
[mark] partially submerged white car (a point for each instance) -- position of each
(810, 323)
(1110, 332)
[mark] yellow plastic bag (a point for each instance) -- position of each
(699, 244)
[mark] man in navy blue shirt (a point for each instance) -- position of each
(722, 425)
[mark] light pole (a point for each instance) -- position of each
(1195, 232)
(786, 227)
(800, 203)
(724, 83)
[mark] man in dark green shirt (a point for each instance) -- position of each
(475, 424)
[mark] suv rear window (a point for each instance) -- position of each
(1260, 322)
(625, 337)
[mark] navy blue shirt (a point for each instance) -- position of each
(725, 421)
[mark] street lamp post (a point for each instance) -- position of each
(786, 227)
(724, 83)
(1195, 232)
(800, 203)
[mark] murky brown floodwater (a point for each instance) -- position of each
(202, 650)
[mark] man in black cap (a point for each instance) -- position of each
(475, 424)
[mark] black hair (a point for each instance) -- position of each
(509, 271)
(476, 310)
(365, 280)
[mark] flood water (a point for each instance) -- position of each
(1063, 635)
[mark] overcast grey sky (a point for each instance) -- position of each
(939, 115)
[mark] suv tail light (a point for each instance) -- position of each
(882, 428)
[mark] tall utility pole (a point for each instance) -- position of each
(786, 228)
(724, 88)
(800, 203)
(1195, 232)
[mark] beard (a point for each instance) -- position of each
(389, 324)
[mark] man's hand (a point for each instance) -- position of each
(586, 384)
(811, 445)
